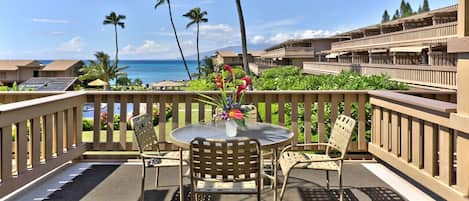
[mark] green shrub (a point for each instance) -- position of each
(3, 88)
(203, 84)
(87, 124)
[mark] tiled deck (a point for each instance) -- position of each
(120, 182)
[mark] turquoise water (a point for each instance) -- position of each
(150, 71)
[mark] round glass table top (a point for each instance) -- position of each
(268, 135)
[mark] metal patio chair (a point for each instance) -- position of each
(146, 138)
(339, 140)
(225, 167)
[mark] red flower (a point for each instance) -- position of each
(229, 69)
(219, 81)
(235, 114)
(244, 86)
(247, 80)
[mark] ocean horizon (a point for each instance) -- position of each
(150, 71)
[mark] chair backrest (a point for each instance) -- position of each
(144, 131)
(225, 160)
(341, 134)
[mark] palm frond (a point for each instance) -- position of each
(159, 3)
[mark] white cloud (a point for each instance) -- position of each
(57, 33)
(50, 21)
(279, 23)
(148, 47)
(257, 39)
(73, 45)
(216, 28)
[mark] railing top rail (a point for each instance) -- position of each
(426, 103)
(294, 92)
(391, 66)
(38, 101)
(397, 33)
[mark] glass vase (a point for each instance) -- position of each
(231, 128)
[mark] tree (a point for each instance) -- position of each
(420, 10)
(409, 10)
(138, 82)
(396, 15)
(159, 3)
(402, 9)
(196, 16)
(101, 69)
(116, 20)
(426, 6)
(123, 81)
(385, 17)
(243, 37)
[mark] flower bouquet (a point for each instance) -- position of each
(229, 104)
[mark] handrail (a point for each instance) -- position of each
(426, 103)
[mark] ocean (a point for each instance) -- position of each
(150, 71)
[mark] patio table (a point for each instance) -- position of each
(269, 136)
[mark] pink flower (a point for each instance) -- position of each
(235, 114)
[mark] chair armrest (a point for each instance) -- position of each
(318, 161)
(157, 156)
(304, 145)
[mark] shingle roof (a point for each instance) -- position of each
(49, 83)
(13, 64)
(227, 53)
(61, 65)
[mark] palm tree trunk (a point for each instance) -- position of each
(117, 47)
(177, 40)
(198, 52)
(243, 37)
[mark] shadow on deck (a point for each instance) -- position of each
(121, 182)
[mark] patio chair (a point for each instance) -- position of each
(339, 140)
(225, 167)
(146, 138)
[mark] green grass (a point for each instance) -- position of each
(88, 135)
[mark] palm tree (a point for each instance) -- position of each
(243, 37)
(196, 16)
(159, 3)
(116, 20)
(101, 69)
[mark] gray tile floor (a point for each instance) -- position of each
(121, 182)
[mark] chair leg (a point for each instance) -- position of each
(157, 174)
(142, 185)
(284, 186)
(341, 198)
(327, 179)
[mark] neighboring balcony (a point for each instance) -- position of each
(438, 34)
(423, 75)
(291, 52)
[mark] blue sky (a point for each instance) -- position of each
(72, 29)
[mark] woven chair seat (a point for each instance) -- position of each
(289, 158)
(226, 187)
(168, 162)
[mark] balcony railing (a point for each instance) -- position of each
(408, 132)
(432, 76)
(290, 52)
(432, 34)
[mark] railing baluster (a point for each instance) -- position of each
(321, 124)
(294, 118)
(430, 149)
(36, 142)
(281, 109)
(48, 137)
(405, 138)
(21, 147)
(69, 129)
(268, 108)
(59, 132)
(445, 155)
(416, 143)
(362, 142)
(123, 122)
(6, 143)
(462, 173)
(395, 134)
(96, 121)
(162, 119)
(188, 109)
(307, 126)
(110, 122)
(385, 135)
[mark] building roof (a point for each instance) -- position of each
(49, 83)
(12, 65)
(225, 53)
(291, 41)
(256, 53)
(445, 11)
(61, 65)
